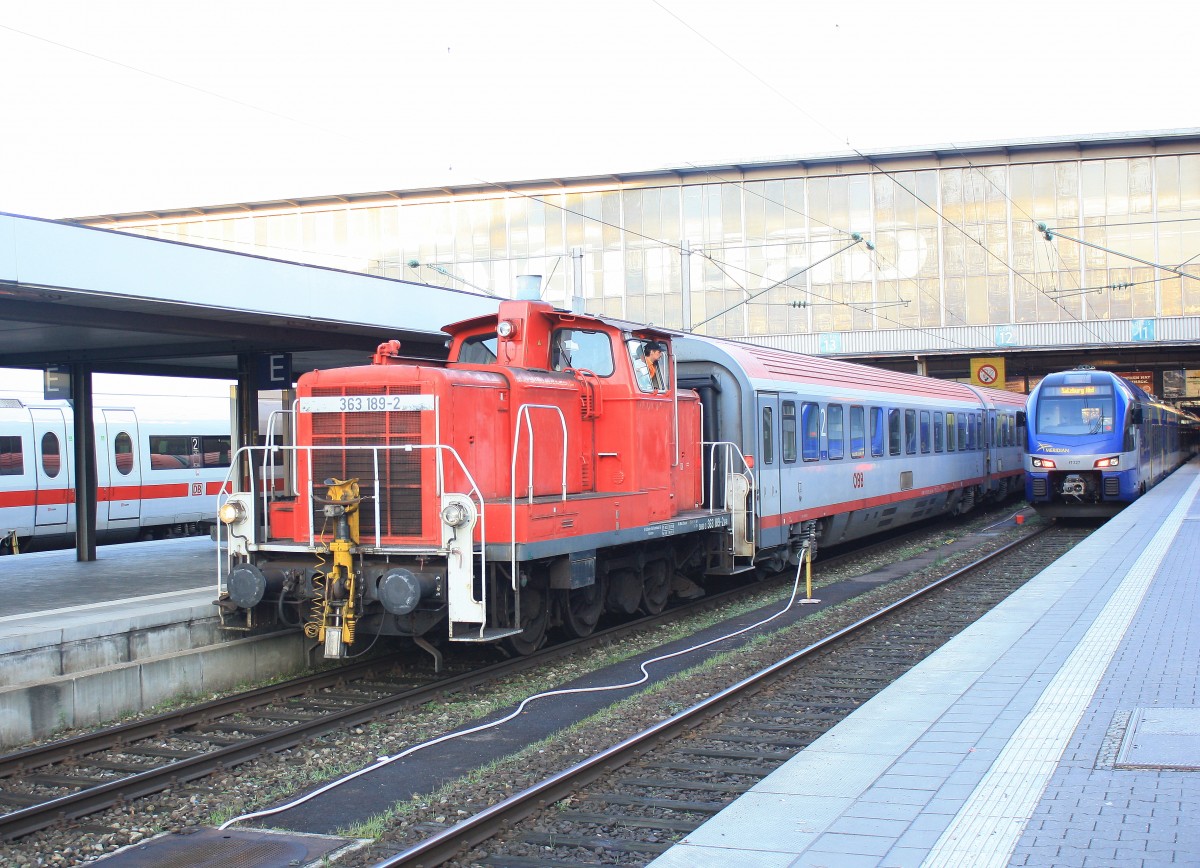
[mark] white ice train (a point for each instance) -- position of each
(155, 474)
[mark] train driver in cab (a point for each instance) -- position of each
(650, 367)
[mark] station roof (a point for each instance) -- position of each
(123, 303)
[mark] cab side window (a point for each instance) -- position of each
(651, 367)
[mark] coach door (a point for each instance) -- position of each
(124, 465)
(767, 465)
(55, 492)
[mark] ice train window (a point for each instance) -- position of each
(910, 432)
(894, 431)
(835, 434)
(858, 432)
(50, 458)
(939, 432)
(123, 453)
(12, 460)
(924, 432)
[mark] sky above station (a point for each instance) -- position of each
(133, 106)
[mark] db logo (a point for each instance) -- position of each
(858, 480)
(197, 489)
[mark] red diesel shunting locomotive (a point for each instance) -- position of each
(539, 477)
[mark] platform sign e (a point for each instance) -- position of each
(275, 371)
(56, 383)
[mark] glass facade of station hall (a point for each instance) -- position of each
(954, 238)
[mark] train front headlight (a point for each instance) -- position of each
(231, 511)
(1044, 463)
(1108, 462)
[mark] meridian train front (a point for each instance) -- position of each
(1097, 442)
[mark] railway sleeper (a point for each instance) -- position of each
(670, 825)
(542, 839)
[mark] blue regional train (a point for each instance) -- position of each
(1097, 442)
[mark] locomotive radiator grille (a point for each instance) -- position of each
(400, 473)
(1112, 486)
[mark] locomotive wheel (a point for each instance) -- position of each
(535, 614)
(656, 587)
(624, 592)
(580, 609)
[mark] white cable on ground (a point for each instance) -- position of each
(387, 760)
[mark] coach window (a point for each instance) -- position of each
(939, 432)
(810, 425)
(878, 433)
(961, 418)
(910, 432)
(894, 438)
(123, 453)
(768, 429)
(172, 451)
(858, 432)
(950, 433)
(789, 431)
(12, 460)
(50, 459)
(216, 451)
(835, 435)
(924, 432)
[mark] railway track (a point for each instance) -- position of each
(75, 777)
(628, 803)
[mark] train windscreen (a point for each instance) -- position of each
(1076, 409)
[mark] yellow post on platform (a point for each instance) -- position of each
(808, 597)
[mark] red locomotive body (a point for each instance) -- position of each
(549, 470)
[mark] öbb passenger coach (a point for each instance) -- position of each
(556, 468)
(1097, 442)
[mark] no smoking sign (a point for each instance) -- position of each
(987, 374)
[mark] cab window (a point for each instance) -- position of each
(589, 351)
(478, 350)
(651, 367)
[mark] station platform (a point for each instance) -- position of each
(82, 643)
(1062, 728)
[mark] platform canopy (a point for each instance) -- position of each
(119, 303)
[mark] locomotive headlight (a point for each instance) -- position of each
(455, 514)
(1108, 462)
(1045, 463)
(231, 511)
(506, 328)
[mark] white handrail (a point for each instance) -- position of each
(731, 448)
(523, 413)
